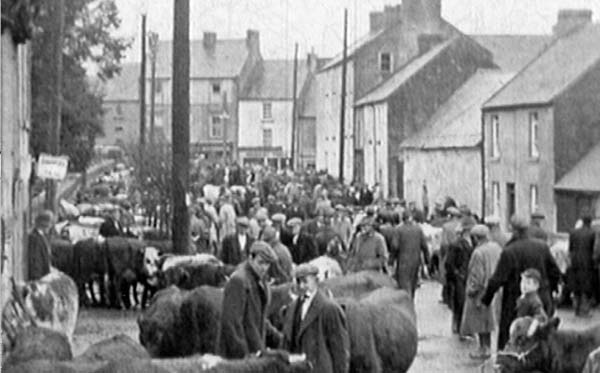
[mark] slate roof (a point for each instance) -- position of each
(585, 175)
(513, 52)
(389, 86)
(565, 60)
(276, 80)
(125, 86)
(225, 60)
(368, 38)
(457, 123)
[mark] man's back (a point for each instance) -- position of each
(581, 247)
(533, 253)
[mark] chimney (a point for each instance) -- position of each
(425, 14)
(375, 21)
(209, 40)
(428, 41)
(392, 15)
(252, 41)
(569, 19)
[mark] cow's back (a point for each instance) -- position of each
(199, 319)
(358, 284)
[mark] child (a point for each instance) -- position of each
(529, 303)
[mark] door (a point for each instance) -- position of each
(511, 202)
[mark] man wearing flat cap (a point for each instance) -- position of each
(370, 252)
(496, 233)
(521, 252)
(281, 270)
(316, 326)
(302, 247)
(236, 246)
(244, 323)
(535, 226)
(38, 246)
(326, 233)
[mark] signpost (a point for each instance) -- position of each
(52, 167)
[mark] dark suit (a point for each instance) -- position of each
(244, 312)
(325, 235)
(304, 249)
(581, 250)
(520, 254)
(231, 252)
(38, 255)
(322, 335)
(110, 228)
(409, 243)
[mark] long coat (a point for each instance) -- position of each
(411, 243)
(481, 268)
(322, 335)
(243, 317)
(520, 254)
(324, 236)
(457, 269)
(369, 253)
(231, 252)
(581, 251)
(304, 250)
(38, 255)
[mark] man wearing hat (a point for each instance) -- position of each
(38, 246)
(244, 310)
(457, 268)
(326, 232)
(111, 226)
(316, 326)
(496, 233)
(535, 226)
(370, 251)
(303, 248)
(258, 222)
(342, 225)
(281, 271)
(521, 253)
(581, 254)
(477, 319)
(236, 246)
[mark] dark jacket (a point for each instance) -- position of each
(110, 228)
(410, 243)
(38, 255)
(304, 249)
(243, 317)
(322, 335)
(581, 248)
(231, 252)
(520, 254)
(324, 236)
(530, 304)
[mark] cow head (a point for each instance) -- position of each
(528, 348)
(151, 262)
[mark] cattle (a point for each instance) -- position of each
(190, 276)
(358, 284)
(547, 349)
(328, 267)
(89, 265)
(50, 302)
(383, 331)
(62, 255)
(124, 261)
(180, 322)
(33, 343)
(118, 347)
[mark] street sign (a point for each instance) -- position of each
(52, 167)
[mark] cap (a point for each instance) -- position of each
(262, 214)
(264, 250)
(255, 200)
(340, 207)
(279, 217)
(269, 234)
(518, 222)
(453, 211)
(367, 220)
(327, 212)
(294, 221)
(532, 273)
(45, 217)
(466, 223)
(480, 230)
(243, 221)
(492, 220)
(306, 269)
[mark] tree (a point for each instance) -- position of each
(89, 25)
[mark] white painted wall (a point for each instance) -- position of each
(252, 124)
(329, 87)
(375, 144)
(446, 172)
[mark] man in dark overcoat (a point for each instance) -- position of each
(406, 256)
(244, 309)
(521, 253)
(316, 326)
(111, 226)
(236, 246)
(581, 249)
(38, 246)
(303, 247)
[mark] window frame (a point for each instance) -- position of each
(211, 132)
(495, 136)
(381, 70)
(266, 104)
(264, 142)
(534, 198)
(534, 135)
(496, 198)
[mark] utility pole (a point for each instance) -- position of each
(143, 96)
(153, 44)
(181, 125)
(295, 148)
(343, 108)
(57, 32)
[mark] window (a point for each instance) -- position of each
(533, 198)
(533, 135)
(495, 137)
(385, 62)
(495, 198)
(267, 137)
(157, 87)
(267, 113)
(216, 126)
(216, 88)
(511, 201)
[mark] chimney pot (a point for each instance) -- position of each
(569, 19)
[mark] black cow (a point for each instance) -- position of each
(34, 343)
(89, 266)
(118, 347)
(547, 349)
(192, 275)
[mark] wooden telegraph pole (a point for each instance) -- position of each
(295, 148)
(143, 98)
(57, 32)
(181, 125)
(343, 108)
(153, 44)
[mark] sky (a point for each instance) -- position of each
(317, 25)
